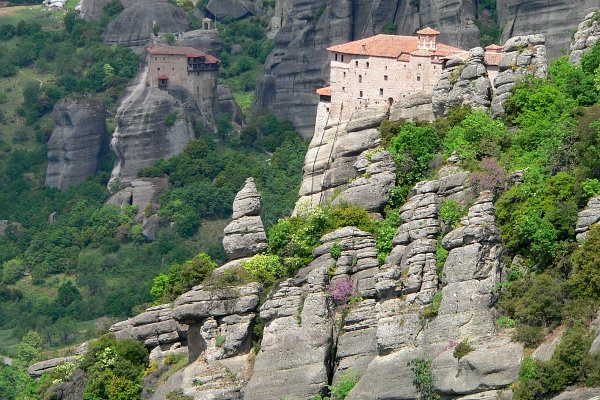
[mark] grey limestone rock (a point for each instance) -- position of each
(228, 105)
(587, 35)
(377, 175)
(524, 55)
(142, 192)
(38, 369)
(245, 234)
(415, 107)
(235, 9)
(133, 27)
(463, 83)
(78, 143)
(553, 19)
(92, 9)
(587, 217)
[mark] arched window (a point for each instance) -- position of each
(360, 79)
(418, 78)
(361, 94)
(367, 64)
(356, 63)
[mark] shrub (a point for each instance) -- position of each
(267, 269)
(171, 118)
(220, 341)
(432, 309)
(505, 322)
(462, 349)
(528, 369)
(340, 291)
(451, 212)
(423, 380)
(586, 274)
(384, 234)
(530, 336)
(335, 251)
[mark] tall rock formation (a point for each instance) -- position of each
(151, 124)
(133, 26)
(523, 55)
(554, 19)
(92, 9)
(245, 235)
(463, 82)
(587, 35)
(299, 63)
(587, 217)
(78, 144)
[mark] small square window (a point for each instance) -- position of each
(418, 79)
(361, 94)
(381, 92)
(385, 77)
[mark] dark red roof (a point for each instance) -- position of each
(428, 31)
(163, 76)
(189, 52)
(324, 91)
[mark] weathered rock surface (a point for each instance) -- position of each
(207, 40)
(245, 235)
(92, 9)
(143, 136)
(142, 192)
(133, 26)
(463, 83)
(304, 29)
(154, 327)
(416, 107)
(587, 217)
(235, 9)
(38, 369)
(554, 19)
(587, 35)
(328, 164)
(228, 105)
(78, 143)
(376, 176)
(523, 55)
(297, 338)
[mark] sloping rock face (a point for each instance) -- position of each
(524, 55)
(207, 40)
(463, 83)
(142, 192)
(228, 105)
(416, 107)
(133, 27)
(235, 9)
(587, 35)
(587, 217)
(376, 176)
(143, 135)
(304, 29)
(554, 19)
(329, 161)
(78, 144)
(245, 235)
(92, 9)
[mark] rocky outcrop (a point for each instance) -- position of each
(376, 176)
(78, 143)
(463, 82)
(329, 161)
(416, 107)
(133, 26)
(245, 235)
(144, 134)
(524, 55)
(554, 19)
(295, 349)
(38, 369)
(142, 192)
(154, 327)
(227, 105)
(303, 30)
(587, 217)
(235, 9)
(587, 35)
(207, 40)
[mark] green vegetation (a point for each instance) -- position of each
(451, 212)
(462, 349)
(431, 310)
(423, 381)
(341, 390)
(487, 22)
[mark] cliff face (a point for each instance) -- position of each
(303, 29)
(554, 19)
(78, 143)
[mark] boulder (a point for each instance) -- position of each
(245, 235)
(78, 143)
(38, 369)
(236, 9)
(133, 26)
(415, 107)
(587, 35)
(587, 217)
(465, 82)
(143, 193)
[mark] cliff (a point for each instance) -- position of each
(556, 20)
(78, 143)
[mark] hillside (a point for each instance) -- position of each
(452, 259)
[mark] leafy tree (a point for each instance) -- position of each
(29, 348)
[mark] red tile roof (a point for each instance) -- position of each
(324, 91)
(163, 76)
(391, 46)
(189, 52)
(428, 31)
(496, 48)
